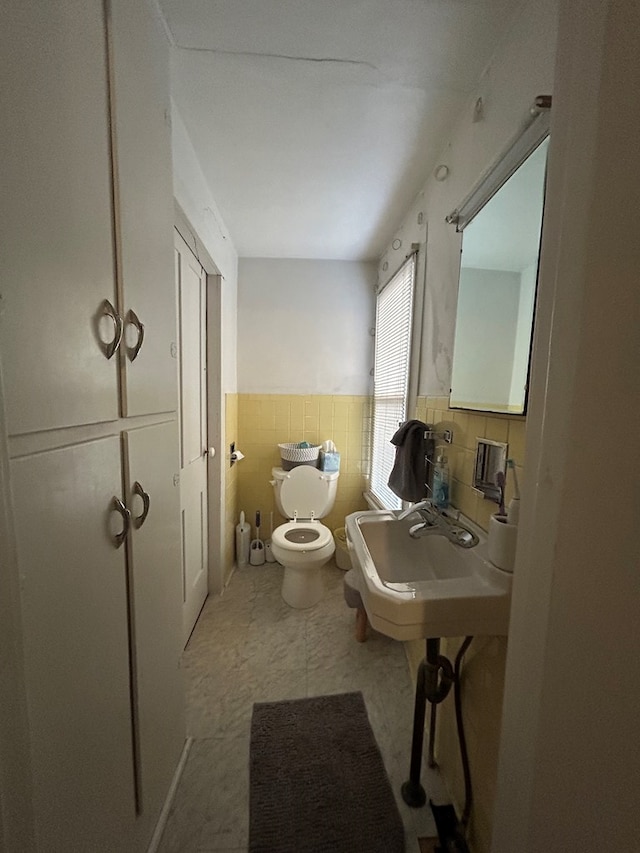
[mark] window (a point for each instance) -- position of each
(394, 319)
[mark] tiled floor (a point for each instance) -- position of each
(249, 646)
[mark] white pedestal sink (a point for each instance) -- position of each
(428, 586)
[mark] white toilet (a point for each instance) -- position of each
(303, 545)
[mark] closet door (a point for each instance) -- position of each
(74, 610)
(56, 263)
(191, 288)
(154, 557)
(143, 176)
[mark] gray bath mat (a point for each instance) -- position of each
(317, 780)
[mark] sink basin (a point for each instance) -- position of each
(428, 586)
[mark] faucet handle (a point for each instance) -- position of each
(425, 504)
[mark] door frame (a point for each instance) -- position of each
(215, 403)
(16, 793)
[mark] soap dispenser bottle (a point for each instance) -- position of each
(441, 482)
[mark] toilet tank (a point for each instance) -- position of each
(305, 491)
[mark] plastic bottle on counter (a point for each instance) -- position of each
(441, 482)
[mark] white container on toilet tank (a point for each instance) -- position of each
(303, 545)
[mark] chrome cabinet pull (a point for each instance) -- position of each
(139, 520)
(118, 506)
(134, 320)
(118, 326)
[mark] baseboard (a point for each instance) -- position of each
(164, 814)
(227, 580)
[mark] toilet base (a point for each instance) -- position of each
(302, 587)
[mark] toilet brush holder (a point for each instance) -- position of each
(502, 541)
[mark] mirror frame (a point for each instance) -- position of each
(531, 135)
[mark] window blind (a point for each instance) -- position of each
(394, 315)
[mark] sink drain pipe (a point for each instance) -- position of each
(436, 676)
(464, 755)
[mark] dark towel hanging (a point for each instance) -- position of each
(409, 473)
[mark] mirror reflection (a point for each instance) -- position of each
(496, 296)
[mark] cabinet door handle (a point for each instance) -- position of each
(134, 320)
(118, 326)
(118, 506)
(139, 520)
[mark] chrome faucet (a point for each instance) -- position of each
(435, 521)
(425, 504)
(431, 517)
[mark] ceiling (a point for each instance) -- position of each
(317, 122)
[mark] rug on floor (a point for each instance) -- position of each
(317, 780)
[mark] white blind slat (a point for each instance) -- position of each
(394, 315)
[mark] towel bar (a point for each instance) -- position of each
(446, 435)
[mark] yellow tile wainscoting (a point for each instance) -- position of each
(467, 427)
(265, 420)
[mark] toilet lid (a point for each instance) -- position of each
(304, 492)
(301, 536)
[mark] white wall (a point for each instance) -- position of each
(521, 69)
(570, 754)
(303, 326)
(487, 317)
(194, 197)
(522, 344)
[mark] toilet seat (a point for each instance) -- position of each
(305, 492)
(301, 536)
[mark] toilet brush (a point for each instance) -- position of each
(256, 554)
(268, 553)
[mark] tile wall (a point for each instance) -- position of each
(265, 420)
(482, 692)
(467, 427)
(484, 662)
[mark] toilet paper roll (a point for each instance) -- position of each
(236, 456)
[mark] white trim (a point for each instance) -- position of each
(411, 254)
(168, 802)
(419, 284)
(372, 501)
(215, 402)
(193, 241)
(216, 416)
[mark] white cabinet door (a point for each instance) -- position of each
(56, 263)
(74, 610)
(144, 192)
(154, 556)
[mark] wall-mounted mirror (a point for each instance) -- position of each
(501, 221)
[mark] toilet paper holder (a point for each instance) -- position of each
(234, 455)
